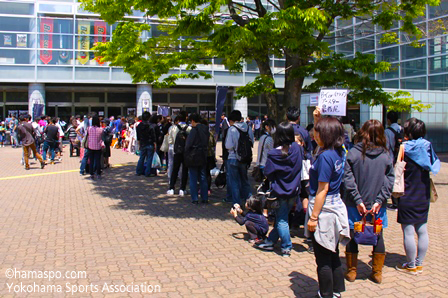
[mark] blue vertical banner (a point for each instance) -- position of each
(221, 95)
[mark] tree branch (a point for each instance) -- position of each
(235, 17)
(260, 8)
(273, 4)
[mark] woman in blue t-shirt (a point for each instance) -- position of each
(327, 214)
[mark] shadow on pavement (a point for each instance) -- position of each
(302, 285)
(393, 259)
(148, 195)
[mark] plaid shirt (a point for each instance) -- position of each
(94, 140)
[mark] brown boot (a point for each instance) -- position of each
(377, 267)
(352, 263)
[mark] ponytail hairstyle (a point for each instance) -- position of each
(284, 137)
(372, 136)
(331, 133)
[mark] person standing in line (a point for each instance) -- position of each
(25, 131)
(2, 134)
(107, 139)
(51, 140)
(394, 137)
(283, 168)
(257, 127)
(146, 137)
(211, 154)
(368, 179)
(95, 145)
(224, 125)
(238, 166)
(413, 206)
(172, 131)
(327, 219)
(179, 135)
(196, 158)
(13, 124)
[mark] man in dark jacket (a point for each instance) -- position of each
(196, 158)
(25, 132)
(146, 137)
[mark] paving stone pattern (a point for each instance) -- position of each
(124, 230)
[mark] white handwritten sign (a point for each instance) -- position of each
(333, 102)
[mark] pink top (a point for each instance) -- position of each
(94, 140)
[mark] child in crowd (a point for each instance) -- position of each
(254, 220)
(2, 134)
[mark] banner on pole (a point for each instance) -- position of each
(221, 95)
(83, 42)
(100, 30)
(46, 40)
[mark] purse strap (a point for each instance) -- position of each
(364, 220)
(400, 156)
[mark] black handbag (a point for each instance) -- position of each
(221, 180)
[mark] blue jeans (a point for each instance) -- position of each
(146, 155)
(85, 158)
(195, 174)
(239, 183)
(281, 226)
(95, 162)
(51, 146)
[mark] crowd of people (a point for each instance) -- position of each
(330, 176)
(341, 179)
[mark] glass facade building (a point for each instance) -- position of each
(45, 56)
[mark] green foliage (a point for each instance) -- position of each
(197, 31)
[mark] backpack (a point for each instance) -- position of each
(181, 139)
(244, 150)
(196, 156)
(398, 136)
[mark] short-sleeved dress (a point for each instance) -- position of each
(413, 207)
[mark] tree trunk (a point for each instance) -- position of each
(274, 109)
(293, 84)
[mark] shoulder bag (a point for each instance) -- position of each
(398, 189)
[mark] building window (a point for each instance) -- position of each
(410, 52)
(365, 44)
(16, 8)
(438, 82)
(345, 48)
(388, 55)
(390, 84)
(438, 11)
(183, 98)
(392, 74)
(58, 96)
(121, 97)
(160, 97)
(413, 68)
(16, 96)
(438, 45)
(438, 64)
(414, 83)
(207, 98)
(89, 97)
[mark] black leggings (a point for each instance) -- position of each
(329, 270)
(352, 246)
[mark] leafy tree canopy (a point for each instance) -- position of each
(196, 31)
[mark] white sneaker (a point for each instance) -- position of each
(170, 192)
(181, 193)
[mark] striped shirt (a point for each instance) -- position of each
(94, 140)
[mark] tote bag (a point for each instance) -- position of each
(398, 189)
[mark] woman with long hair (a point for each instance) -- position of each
(368, 179)
(413, 206)
(326, 217)
(283, 168)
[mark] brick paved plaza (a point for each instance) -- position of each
(124, 230)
